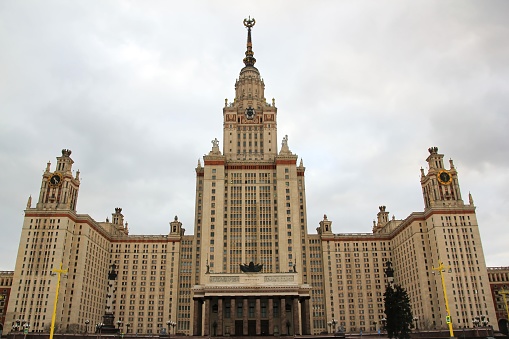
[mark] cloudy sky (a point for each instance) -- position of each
(136, 88)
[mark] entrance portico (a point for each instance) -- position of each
(251, 304)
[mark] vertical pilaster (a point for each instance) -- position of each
(296, 316)
(306, 326)
(283, 329)
(245, 327)
(271, 316)
(197, 317)
(233, 314)
(258, 316)
(220, 316)
(206, 323)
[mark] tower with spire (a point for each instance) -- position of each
(250, 200)
(241, 190)
(249, 121)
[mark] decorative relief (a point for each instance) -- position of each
(230, 117)
(287, 278)
(268, 117)
(231, 279)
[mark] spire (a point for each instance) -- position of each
(249, 60)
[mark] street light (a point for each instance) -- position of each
(128, 325)
(58, 272)
(119, 325)
(98, 329)
(484, 321)
(26, 326)
(16, 325)
(170, 324)
(384, 322)
(441, 268)
(86, 325)
(334, 323)
(416, 325)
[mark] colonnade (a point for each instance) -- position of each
(251, 315)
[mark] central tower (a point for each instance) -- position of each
(251, 212)
(249, 122)
(250, 199)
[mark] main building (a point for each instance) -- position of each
(251, 267)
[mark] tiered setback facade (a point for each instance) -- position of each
(250, 207)
(499, 282)
(5, 293)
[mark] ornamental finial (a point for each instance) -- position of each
(249, 22)
(249, 60)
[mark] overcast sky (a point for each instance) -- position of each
(136, 89)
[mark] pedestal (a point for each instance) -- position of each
(108, 325)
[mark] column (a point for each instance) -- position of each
(245, 328)
(296, 316)
(306, 328)
(206, 323)
(283, 329)
(233, 316)
(197, 317)
(271, 316)
(258, 316)
(220, 316)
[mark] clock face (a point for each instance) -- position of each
(55, 179)
(250, 113)
(444, 177)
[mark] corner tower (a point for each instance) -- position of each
(440, 186)
(59, 189)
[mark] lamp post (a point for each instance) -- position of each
(330, 326)
(26, 326)
(16, 325)
(441, 268)
(58, 272)
(119, 325)
(416, 325)
(170, 324)
(384, 322)
(128, 325)
(475, 324)
(86, 326)
(485, 325)
(334, 323)
(98, 329)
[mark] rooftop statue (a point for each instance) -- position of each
(251, 267)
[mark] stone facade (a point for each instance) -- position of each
(499, 284)
(250, 208)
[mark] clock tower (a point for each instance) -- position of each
(59, 188)
(440, 186)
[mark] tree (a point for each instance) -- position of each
(398, 312)
(73, 328)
